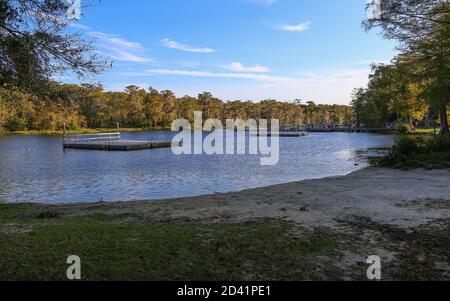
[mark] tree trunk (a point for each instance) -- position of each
(411, 123)
(444, 121)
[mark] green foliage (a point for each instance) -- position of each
(390, 96)
(440, 144)
(419, 152)
(417, 83)
(115, 247)
(405, 147)
(89, 106)
(404, 129)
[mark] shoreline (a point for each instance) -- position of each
(189, 197)
(124, 130)
(382, 189)
(311, 230)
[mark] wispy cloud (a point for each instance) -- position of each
(340, 74)
(294, 28)
(323, 87)
(261, 77)
(175, 45)
(238, 67)
(120, 49)
(116, 41)
(79, 26)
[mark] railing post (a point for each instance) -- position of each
(64, 134)
(118, 130)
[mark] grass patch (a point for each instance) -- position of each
(433, 160)
(421, 254)
(426, 131)
(111, 248)
(36, 241)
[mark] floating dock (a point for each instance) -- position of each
(111, 142)
(282, 134)
(351, 130)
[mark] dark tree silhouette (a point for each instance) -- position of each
(408, 21)
(35, 44)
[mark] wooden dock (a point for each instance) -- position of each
(351, 130)
(111, 142)
(290, 134)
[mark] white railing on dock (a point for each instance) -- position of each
(84, 138)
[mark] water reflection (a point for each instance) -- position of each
(36, 169)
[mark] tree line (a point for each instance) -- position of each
(89, 106)
(415, 86)
(35, 46)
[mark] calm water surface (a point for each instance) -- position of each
(36, 169)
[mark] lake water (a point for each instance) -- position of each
(36, 169)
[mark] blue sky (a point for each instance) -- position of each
(237, 49)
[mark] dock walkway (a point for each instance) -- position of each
(111, 142)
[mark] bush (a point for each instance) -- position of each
(404, 148)
(405, 129)
(440, 144)
(17, 124)
(413, 152)
(409, 146)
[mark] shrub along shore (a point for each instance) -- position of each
(420, 151)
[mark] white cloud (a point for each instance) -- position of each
(322, 87)
(238, 67)
(125, 56)
(295, 28)
(114, 40)
(79, 26)
(260, 77)
(120, 49)
(175, 45)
